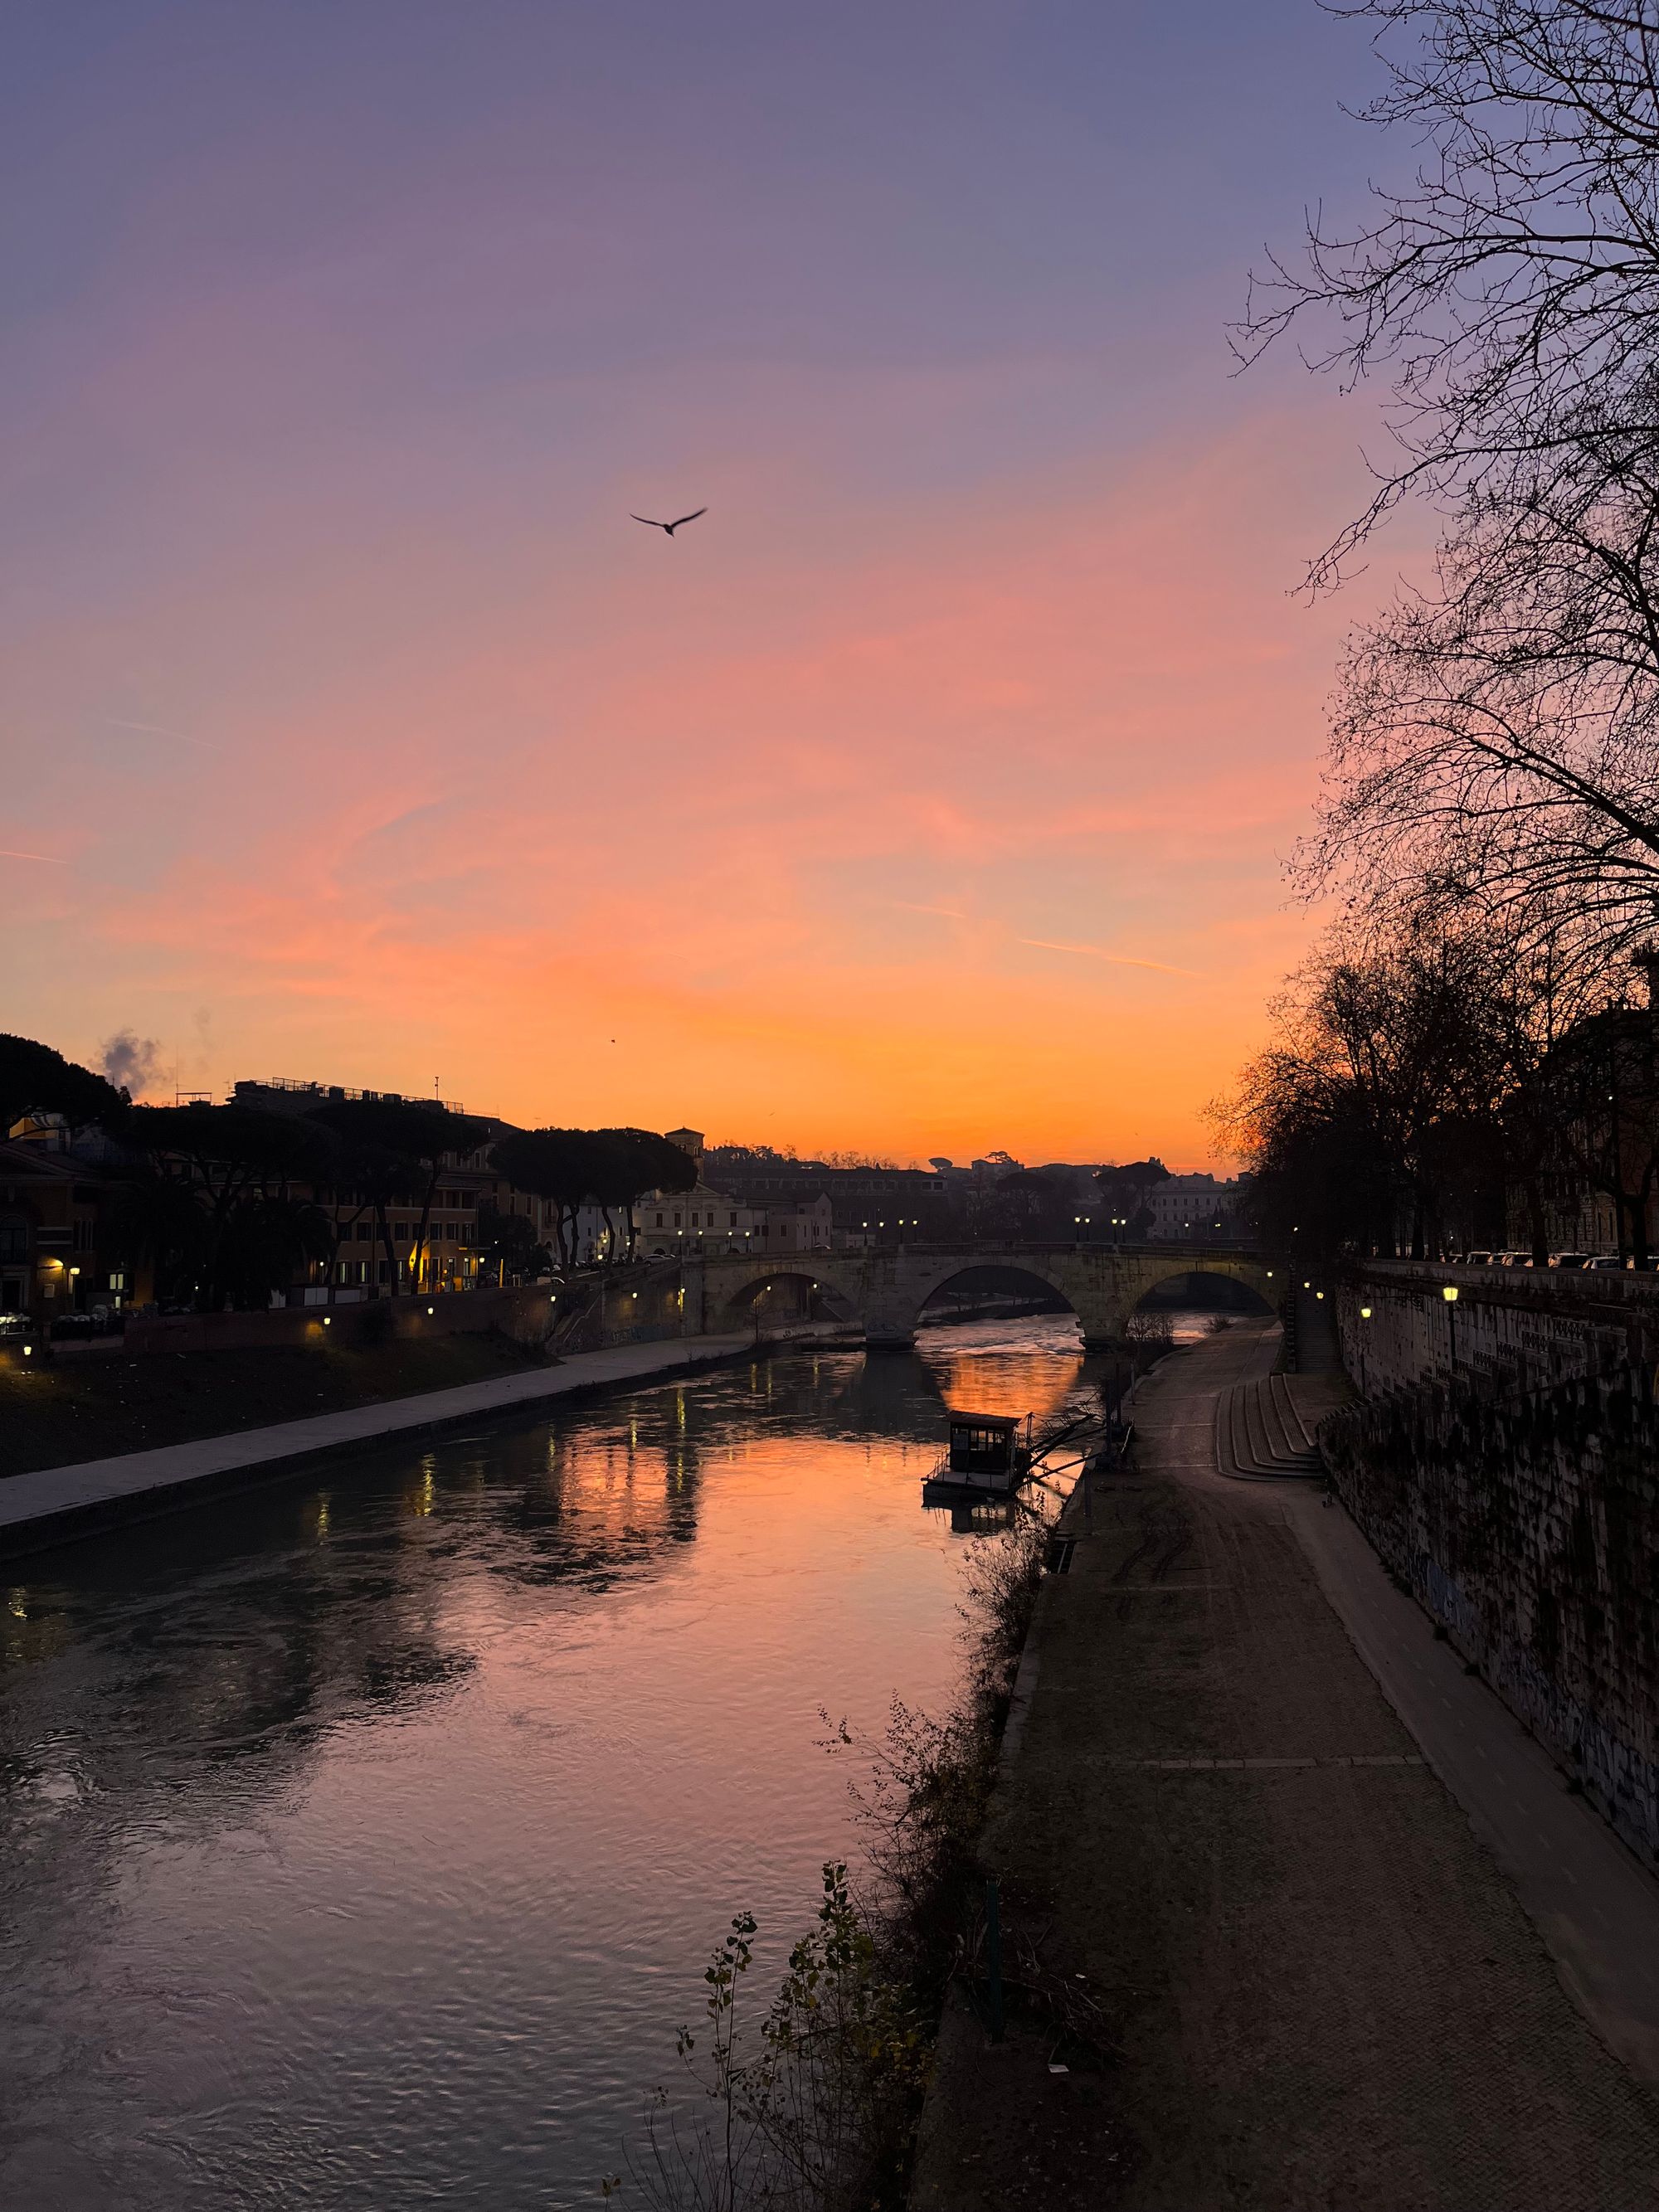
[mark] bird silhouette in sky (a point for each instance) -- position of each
(670, 527)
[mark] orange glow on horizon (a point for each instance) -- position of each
(931, 836)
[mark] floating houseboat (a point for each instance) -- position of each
(989, 1455)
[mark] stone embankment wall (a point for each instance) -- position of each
(1525, 1520)
(1511, 1329)
(634, 1305)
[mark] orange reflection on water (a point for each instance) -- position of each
(977, 1374)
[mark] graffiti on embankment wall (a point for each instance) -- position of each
(1530, 1529)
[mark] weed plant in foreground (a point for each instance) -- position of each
(810, 2105)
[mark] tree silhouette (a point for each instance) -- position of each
(398, 1148)
(35, 1079)
(628, 1162)
(1124, 1192)
(557, 1165)
(236, 1165)
(1496, 740)
(612, 1169)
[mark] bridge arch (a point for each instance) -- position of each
(1248, 1276)
(791, 1289)
(886, 1290)
(1142, 1272)
(1013, 1273)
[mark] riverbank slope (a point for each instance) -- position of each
(57, 1504)
(1316, 1985)
(97, 1402)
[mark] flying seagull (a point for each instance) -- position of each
(670, 527)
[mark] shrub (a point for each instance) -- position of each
(814, 2109)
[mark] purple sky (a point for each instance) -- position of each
(339, 340)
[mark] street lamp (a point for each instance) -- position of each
(1364, 1314)
(1449, 1293)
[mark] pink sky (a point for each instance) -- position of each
(929, 795)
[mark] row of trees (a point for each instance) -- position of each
(222, 1200)
(1490, 824)
(1423, 1086)
(1047, 1204)
(612, 1169)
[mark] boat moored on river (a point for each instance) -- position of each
(988, 1456)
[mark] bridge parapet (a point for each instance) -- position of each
(885, 1289)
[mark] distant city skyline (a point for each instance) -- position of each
(351, 722)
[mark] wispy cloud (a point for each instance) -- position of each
(1099, 953)
(155, 730)
(420, 911)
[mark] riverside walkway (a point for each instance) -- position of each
(1319, 1984)
(58, 1503)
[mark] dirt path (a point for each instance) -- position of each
(1316, 1987)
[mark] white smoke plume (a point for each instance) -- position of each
(131, 1062)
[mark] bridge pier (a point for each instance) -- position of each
(1102, 1321)
(889, 1332)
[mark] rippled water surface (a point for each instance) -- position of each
(364, 1837)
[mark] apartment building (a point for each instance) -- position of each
(1192, 1207)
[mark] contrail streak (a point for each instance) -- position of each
(56, 859)
(1098, 952)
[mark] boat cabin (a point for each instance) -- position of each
(984, 1444)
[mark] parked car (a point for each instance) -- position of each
(1569, 1260)
(1605, 1264)
(1479, 1259)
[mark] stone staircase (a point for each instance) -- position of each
(1266, 1428)
(1310, 1344)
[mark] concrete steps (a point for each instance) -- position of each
(1261, 1433)
(1298, 1423)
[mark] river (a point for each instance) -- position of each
(365, 1836)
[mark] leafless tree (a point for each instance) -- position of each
(1511, 293)
(1497, 734)
(1495, 745)
(1409, 1079)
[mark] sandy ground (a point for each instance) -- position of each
(1315, 1987)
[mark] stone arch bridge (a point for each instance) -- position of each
(885, 1289)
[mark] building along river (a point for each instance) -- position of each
(365, 1835)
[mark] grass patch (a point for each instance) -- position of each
(93, 1407)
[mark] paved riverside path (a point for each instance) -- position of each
(1318, 1985)
(62, 1502)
